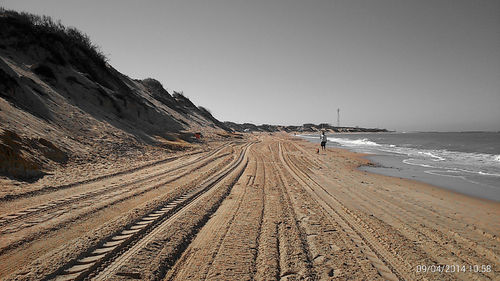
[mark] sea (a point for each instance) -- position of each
(464, 162)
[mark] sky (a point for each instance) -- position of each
(422, 65)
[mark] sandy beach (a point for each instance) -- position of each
(175, 140)
(266, 207)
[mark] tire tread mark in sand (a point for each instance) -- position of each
(48, 189)
(436, 246)
(257, 242)
(375, 253)
(283, 182)
(39, 234)
(278, 246)
(435, 234)
(33, 210)
(278, 257)
(251, 176)
(160, 274)
(404, 216)
(114, 258)
(217, 229)
(178, 264)
(167, 199)
(267, 257)
(437, 237)
(278, 273)
(454, 235)
(224, 235)
(218, 267)
(446, 229)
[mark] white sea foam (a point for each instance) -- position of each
(308, 136)
(465, 162)
(433, 156)
(488, 174)
(353, 142)
(413, 162)
(475, 160)
(449, 167)
(476, 163)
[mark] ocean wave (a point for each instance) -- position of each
(478, 163)
(307, 136)
(488, 174)
(433, 156)
(449, 168)
(412, 161)
(353, 142)
(442, 155)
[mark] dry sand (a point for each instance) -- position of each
(266, 208)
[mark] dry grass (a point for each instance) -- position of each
(30, 29)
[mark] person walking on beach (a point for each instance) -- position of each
(323, 139)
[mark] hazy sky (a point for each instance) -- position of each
(404, 65)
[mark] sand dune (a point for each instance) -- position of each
(57, 88)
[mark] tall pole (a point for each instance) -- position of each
(338, 117)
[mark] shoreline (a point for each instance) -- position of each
(437, 181)
(482, 211)
(432, 188)
(393, 165)
(429, 186)
(418, 218)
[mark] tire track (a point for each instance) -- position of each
(445, 222)
(48, 189)
(172, 275)
(83, 211)
(115, 251)
(34, 210)
(120, 193)
(305, 262)
(268, 251)
(91, 211)
(433, 213)
(333, 253)
(416, 234)
(235, 258)
(220, 228)
(388, 266)
(258, 241)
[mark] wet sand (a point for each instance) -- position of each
(393, 166)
